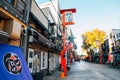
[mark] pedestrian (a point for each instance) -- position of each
(110, 59)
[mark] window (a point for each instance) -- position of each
(31, 54)
(30, 65)
(43, 65)
(44, 59)
(11, 1)
(19, 4)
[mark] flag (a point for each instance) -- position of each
(12, 64)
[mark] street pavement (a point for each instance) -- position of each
(87, 71)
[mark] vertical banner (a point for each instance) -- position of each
(12, 64)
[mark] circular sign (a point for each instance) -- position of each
(12, 63)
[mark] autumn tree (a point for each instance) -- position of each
(90, 38)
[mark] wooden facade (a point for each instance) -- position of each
(24, 24)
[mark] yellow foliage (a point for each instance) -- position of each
(92, 36)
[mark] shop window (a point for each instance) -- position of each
(31, 54)
(44, 60)
(30, 65)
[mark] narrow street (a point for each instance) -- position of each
(89, 71)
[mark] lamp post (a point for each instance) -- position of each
(67, 19)
(98, 43)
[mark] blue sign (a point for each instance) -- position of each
(12, 64)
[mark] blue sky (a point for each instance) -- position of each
(91, 14)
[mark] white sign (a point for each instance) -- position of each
(68, 16)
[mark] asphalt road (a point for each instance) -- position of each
(88, 71)
(92, 71)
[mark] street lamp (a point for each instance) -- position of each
(98, 43)
(67, 19)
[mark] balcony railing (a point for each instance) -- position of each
(58, 48)
(40, 39)
(16, 9)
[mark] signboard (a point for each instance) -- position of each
(12, 64)
(68, 16)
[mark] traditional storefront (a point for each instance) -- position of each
(13, 21)
(39, 44)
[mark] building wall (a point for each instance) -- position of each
(55, 12)
(38, 14)
(13, 16)
(52, 10)
(16, 27)
(114, 39)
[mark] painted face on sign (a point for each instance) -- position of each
(12, 63)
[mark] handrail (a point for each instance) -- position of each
(43, 39)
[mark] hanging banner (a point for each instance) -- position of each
(12, 64)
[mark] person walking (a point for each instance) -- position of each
(110, 59)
